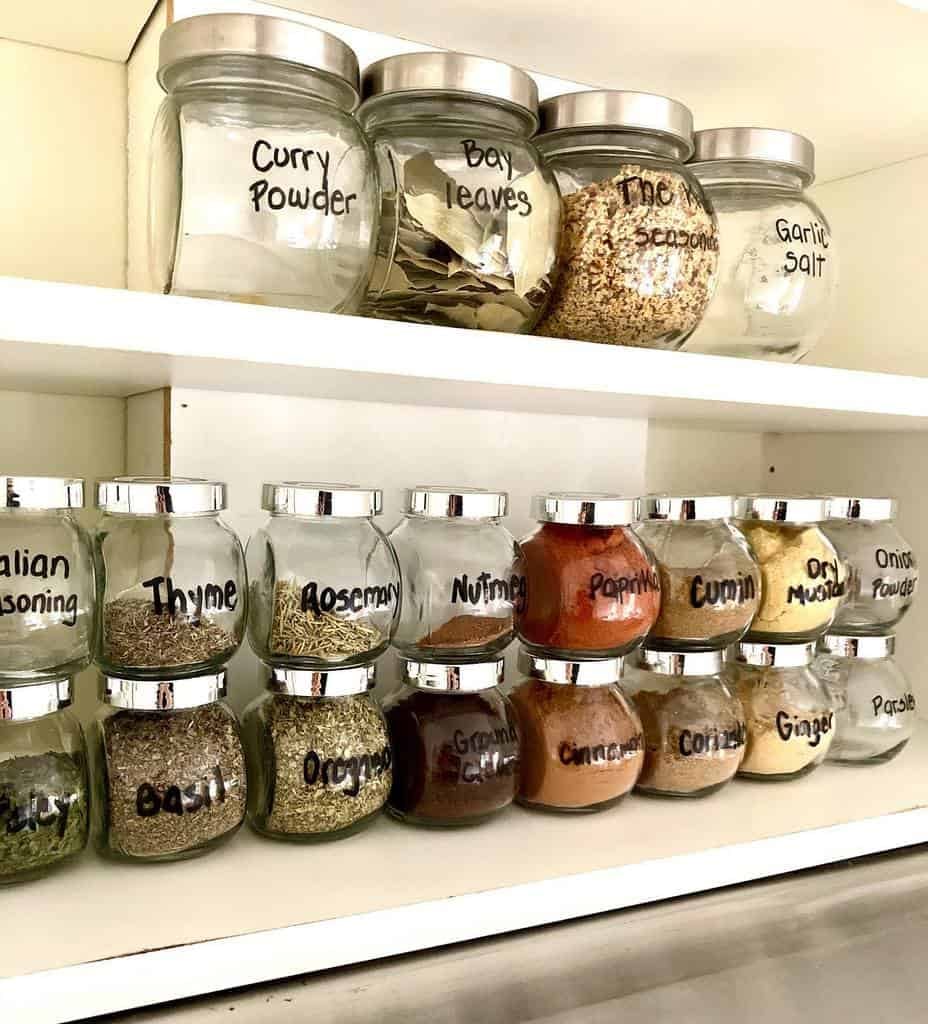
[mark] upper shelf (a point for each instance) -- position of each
(73, 339)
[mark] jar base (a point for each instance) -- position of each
(561, 654)
(410, 818)
(316, 837)
(37, 873)
(882, 758)
(111, 853)
(668, 794)
(555, 809)
(779, 777)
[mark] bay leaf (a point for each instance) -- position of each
(533, 239)
(494, 316)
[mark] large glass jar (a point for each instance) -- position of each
(788, 711)
(44, 794)
(325, 586)
(581, 742)
(319, 760)
(639, 246)
(168, 768)
(803, 581)
(455, 744)
(710, 582)
(777, 266)
(592, 590)
(694, 730)
(875, 705)
(46, 579)
(263, 187)
(461, 574)
(469, 214)
(882, 570)
(171, 580)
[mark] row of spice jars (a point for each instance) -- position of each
(438, 203)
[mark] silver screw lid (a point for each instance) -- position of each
(774, 655)
(578, 509)
(169, 495)
(33, 700)
(689, 663)
(571, 673)
(872, 509)
(456, 503)
(458, 677)
(343, 682)
(41, 493)
(865, 647)
(164, 695)
(674, 508)
(344, 501)
(757, 145)
(777, 508)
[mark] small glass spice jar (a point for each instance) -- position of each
(47, 593)
(461, 574)
(581, 741)
(455, 744)
(803, 581)
(262, 185)
(875, 704)
(710, 582)
(882, 570)
(639, 249)
(44, 793)
(777, 268)
(170, 578)
(319, 760)
(325, 585)
(592, 590)
(168, 768)
(788, 711)
(469, 214)
(694, 729)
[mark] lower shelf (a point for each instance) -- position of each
(103, 937)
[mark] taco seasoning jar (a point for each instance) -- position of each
(171, 578)
(882, 570)
(455, 744)
(325, 586)
(710, 582)
(168, 768)
(803, 581)
(44, 798)
(47, 598)
(469, 213)
(319, 761)
(581, 742)
(694, 729)
(592, 590)
(461, 574)
(262, 185)
(639, 249)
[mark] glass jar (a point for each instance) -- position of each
(46, 579)
(882, 571)
(168, 768)
(639, 247)
(581, 743)
(455, 744)
(469, 214)
(170, 578)
(44, 793)
(876, 713)
(325, 586)
(802, 579)
(263, 187)
(788, 711)
(710, 582)
(461, 574)
(777, 266)
(319, 760)
(694, 729)
(592, 590)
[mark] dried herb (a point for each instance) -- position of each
(135, 635)
(306, 634)
(468, 631)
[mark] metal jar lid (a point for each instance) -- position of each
(865, 647)
(33, 700)
(342, 682)
(774, 655)
(616, 109)
(314, 500)
(164, 695)
(872, 509)
(757, 145)
(458, 677)
(673, 508)
(776, 508)
(691, 663)
(169, 495)
(578, 509)
(456, 503)
(571, 673)
(41, 493)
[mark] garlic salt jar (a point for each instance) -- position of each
(777, 267)
(262, 185)
(470, 215)
(461, 574)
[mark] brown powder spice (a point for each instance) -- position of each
(468, 631)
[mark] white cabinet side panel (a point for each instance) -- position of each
(148, 433)
(684, 457)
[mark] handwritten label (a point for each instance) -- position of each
(885, 586)
(181, 798)
(620, 587)
(267, 157)
(348, 775)
(737, 590)
(169, 600)
(484, 198)
(482, 755)
(638, 191)
(811, 234)
(829, 585)
(486, 588)
(791, 727)
(893, 705)
(21, 564)
(41, 810)
(570, 753)
(319, 599)
(710, 740)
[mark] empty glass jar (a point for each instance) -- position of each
(469, 214)
(325, 586)
(262, 186)
(777, 266)
(46, 579)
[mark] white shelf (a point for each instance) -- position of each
(74, 339)
(102, 937)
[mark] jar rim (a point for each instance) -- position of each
(164, 694)
(323, 682)
(41, 493)
(24, 702)
(576, 508)
(767, 146)
(675, 663)
(456, 503)
(677, 508)
(869, 648)
(317, 500)
(774, 655)
(881, 510)
(169, 495)
(564, 672)
(781, 508)
(455, 677)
